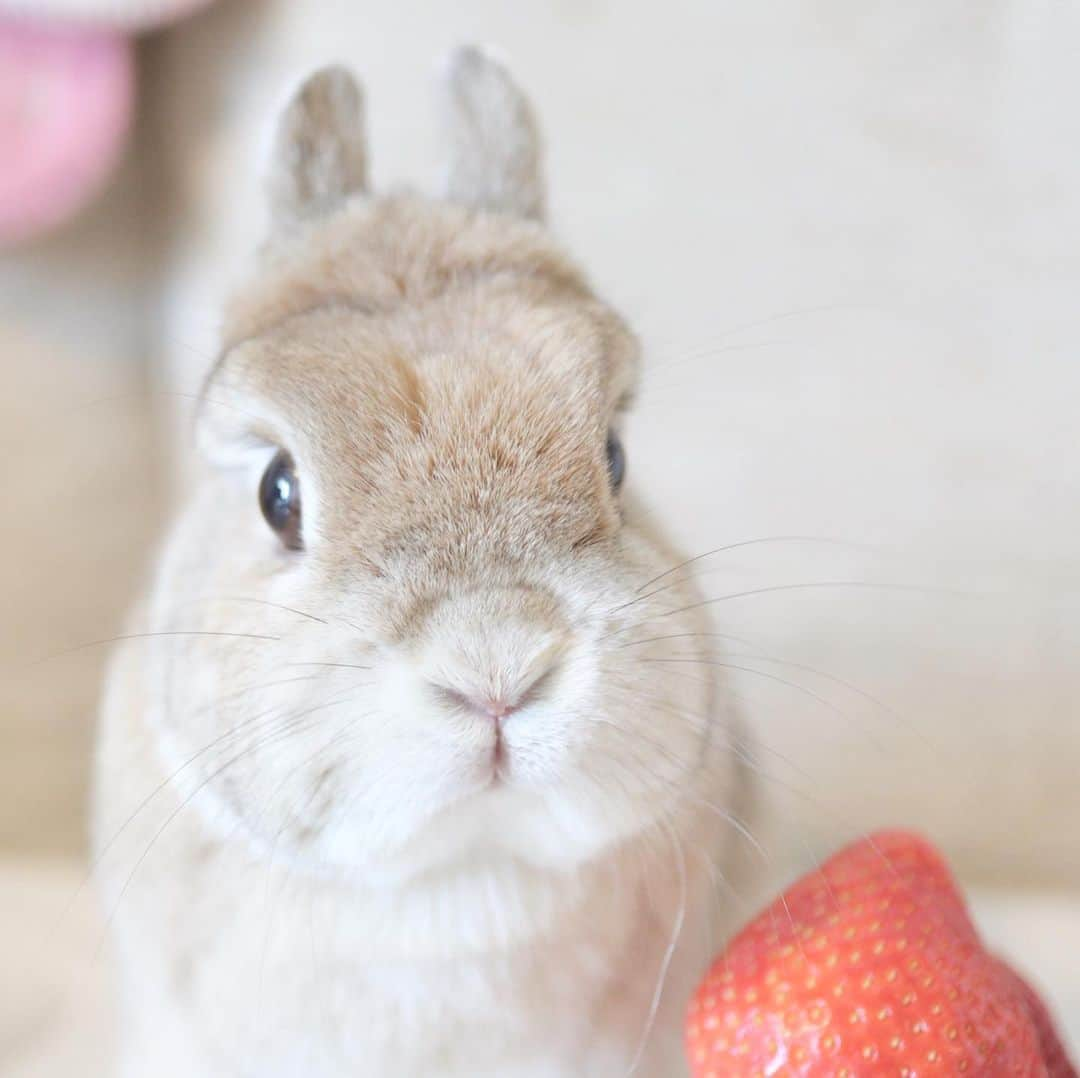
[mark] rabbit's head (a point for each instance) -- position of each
(441, 633)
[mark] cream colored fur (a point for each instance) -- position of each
(311, 863)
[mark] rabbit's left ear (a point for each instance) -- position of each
(319, 157)
(494, 145)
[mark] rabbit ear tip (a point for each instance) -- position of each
(319, 156)
(495, 153)
(470, 57)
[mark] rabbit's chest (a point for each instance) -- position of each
(280, 985)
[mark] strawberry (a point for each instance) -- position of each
(1053, 1051)
(869, 966)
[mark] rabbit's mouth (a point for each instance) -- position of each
(499, 758)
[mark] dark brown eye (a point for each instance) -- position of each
(279, 499)
(616, 459)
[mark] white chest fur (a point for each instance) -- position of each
(274, 974)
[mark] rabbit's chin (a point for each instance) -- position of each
(554, 831)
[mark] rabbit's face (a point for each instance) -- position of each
(416, 524)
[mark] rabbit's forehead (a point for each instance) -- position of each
(450, 372)
(460, 409)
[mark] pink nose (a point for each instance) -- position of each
(496, 708)
(499, 705)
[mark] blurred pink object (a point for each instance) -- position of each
(67, 88)
(131, 15)
(65, 108)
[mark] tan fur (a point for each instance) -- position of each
(335, 883)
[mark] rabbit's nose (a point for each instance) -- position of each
(500, 703)
(491, 652)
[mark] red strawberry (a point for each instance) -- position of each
(1053, 1051)
(870, 966)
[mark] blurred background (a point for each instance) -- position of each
(847, 232)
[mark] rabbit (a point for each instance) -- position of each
(415, 760)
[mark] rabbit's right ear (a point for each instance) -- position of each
(495, 156)
(319, 156)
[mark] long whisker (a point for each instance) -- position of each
(228, 735)
(820, 539)
(660, 391)
(824, 701)
(886, 708)
(683, 792)
(770, 320)
(337, 666)
(669, 954)
(342, 697)
(287, 730)
(742, 752)
(145, 636)
(739, 749)
(261, 602)
(689, 636)
(869, 584)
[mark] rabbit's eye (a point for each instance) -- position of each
(279, 499)
(616, 460)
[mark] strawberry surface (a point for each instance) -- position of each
(869, 966)
(1053, 1051)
